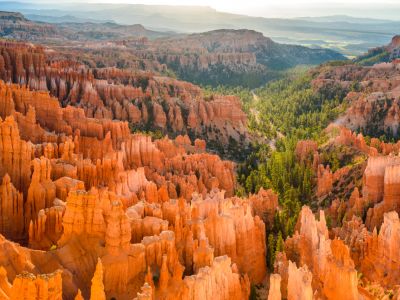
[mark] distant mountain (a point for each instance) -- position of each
(12, 16)
(16, 26)
(63, 19)
(344, 18)
(108, 30)
(350, 36)
(233, 57)
(386, 53)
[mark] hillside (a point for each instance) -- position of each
(16, 26)
(349, 36)
(334, 165)
(221, 57)
(234, 57)
(381, 54)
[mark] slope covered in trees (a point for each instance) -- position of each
(313, 158)
(287, 111)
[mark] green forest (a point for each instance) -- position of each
(281, 113)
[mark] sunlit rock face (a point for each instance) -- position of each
(324, 262)
(374, 100)
(100, 212)
(142, 99)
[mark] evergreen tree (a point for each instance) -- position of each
(279, 243)
(271, 247)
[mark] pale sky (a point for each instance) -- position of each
(389, 9)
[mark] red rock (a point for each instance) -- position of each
(106, 94)
(97, 288)
(329, 261)
(264, 205)
(230, 231)
(203, 255)
(340, 271)
(204, 285)
(305, 149)
(353, 233)
(162, 208)
(343, 136)
(324, 181)
(274, 287)
(160, 119)
(29, 286)
(79, 296)
(11, 211)
(299, 284)
(41, 192)
(373, 179)
(46, 229)
(356, 204)
(380, 188)
(5, 286)
(381, 255)
(66, 184)
(13, 149)
(146, 293)
(83, 208)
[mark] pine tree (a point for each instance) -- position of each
(279, 243)
(271, 251)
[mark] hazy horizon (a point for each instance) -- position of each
(388, 9)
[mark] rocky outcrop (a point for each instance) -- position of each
(15, 155)
(229, 229)
(374, 177)
(381, 255)
(357, 205)
(97, 288)
(47, 228)
(274, 287)
(11, 210)
(204, 285)
(84, 207)
(29, 286)
(305, 149)
(380, 188)
(264, 205)
(146, 293)
(42, 190)
(124, 215)
(340, 268)
(159, 102)
(328, 260)
(299, 283)
(5, 286)
(373, 253)
(239, 53)
(79, 296)
(373, 94)
(324, 180)
(203, 255)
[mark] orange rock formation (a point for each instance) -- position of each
(328, 260)
(86, 191)
(108, 93)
